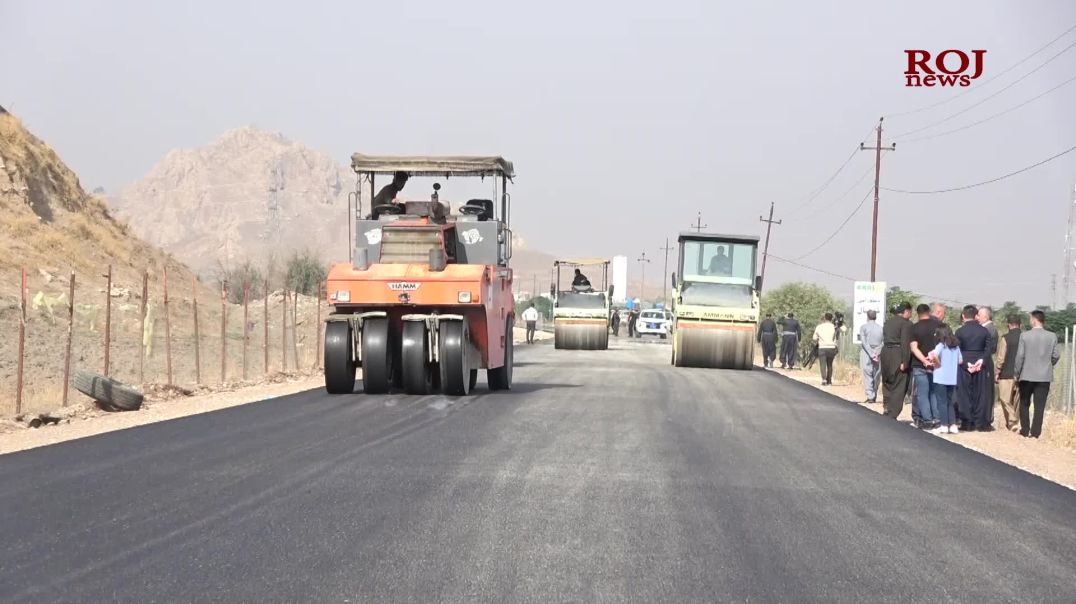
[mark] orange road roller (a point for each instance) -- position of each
(426, 298)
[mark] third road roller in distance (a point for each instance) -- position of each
(581, 312)
(715, 301)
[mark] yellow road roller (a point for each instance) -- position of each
(715, 301)
(580, 311)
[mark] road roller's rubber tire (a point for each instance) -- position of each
(455, 373)
(339, 358)
(662, 336)
(500, 378)
(414, 358)
(376, 356)
(109, 393)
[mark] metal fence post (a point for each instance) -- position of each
(317, 330)
(246, 326)
(22, 343)
(108, 318)
(223, 332)
(70, 336)
(284, 330)
(142, 329)
(265, 322)
(167, 332)
(197, 340)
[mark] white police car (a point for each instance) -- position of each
(654, 322)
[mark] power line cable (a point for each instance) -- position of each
(988, 80)
(847, 278)
(985, 182)
(818, 191)
(983, 100)
(841, 227)
(987, 119)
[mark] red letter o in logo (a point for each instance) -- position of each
(965, 61)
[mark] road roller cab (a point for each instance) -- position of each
(715, 301)
(425, 300)
(581, 312)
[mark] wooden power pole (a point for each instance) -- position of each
(766, 247)
(877, 148)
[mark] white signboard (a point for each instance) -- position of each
(867, 295)
(620, 279)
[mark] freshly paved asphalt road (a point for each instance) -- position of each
(604, 476)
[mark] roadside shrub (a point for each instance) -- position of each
(304, 271)
(244, 275)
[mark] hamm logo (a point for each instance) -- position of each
(403, 286)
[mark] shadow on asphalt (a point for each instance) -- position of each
(528, 387)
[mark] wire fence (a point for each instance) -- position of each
(148, 331)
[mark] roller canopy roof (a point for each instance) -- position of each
(431, 165)
(582, 261)
(693, 236)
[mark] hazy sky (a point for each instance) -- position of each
(624, 118)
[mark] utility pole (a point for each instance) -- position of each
(1053, 290)
(665, 280)
(643, 261)
(1066, 277)
(766, 247)
(877, 148)
(699, 226)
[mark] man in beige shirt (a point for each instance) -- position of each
(825, 335)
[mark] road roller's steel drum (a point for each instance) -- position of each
(714, 347)
(580, 334)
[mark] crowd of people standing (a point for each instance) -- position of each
(955, 377)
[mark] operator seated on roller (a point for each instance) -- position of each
(720, 264)
(388, 193)
(580, 282)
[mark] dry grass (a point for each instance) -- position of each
(20, 225)
(1060, 430)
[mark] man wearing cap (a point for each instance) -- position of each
(790, 341)
(895, 358)
(767, 336)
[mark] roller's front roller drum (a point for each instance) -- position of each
(376, 356)
(580, 336)
(339, 358)
(713, 348)
(457, 377)
(414, 358)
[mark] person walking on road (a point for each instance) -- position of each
(767, 336)
(923, 342)
(896, 355)
(946, 360)
(1036, 356)
(614, 322)
(1005, 363)
(790, 341)
(985, 317)
(974, 344)
(825, 337)
(870, 352)
(530, 316)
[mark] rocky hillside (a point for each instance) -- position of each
(50, 225)
(251, 195)
(248, 195)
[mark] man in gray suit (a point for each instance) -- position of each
(1036, 356)
(870, 351)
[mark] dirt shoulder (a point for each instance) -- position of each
(1041, 457)
(83, 418)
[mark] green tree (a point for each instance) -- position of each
(807, 301)
(896, 295)
(304, 271)
(245, 275)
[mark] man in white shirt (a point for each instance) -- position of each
(531, 317)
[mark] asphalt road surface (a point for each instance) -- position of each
(603, 476)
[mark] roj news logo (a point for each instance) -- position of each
(947, 68)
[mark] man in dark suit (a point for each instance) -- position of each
(986, 319)
(767, 336)
(974, 347)
(1036, 356)
(896, 358)
(790, 341)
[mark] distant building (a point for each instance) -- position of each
(620, 279)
